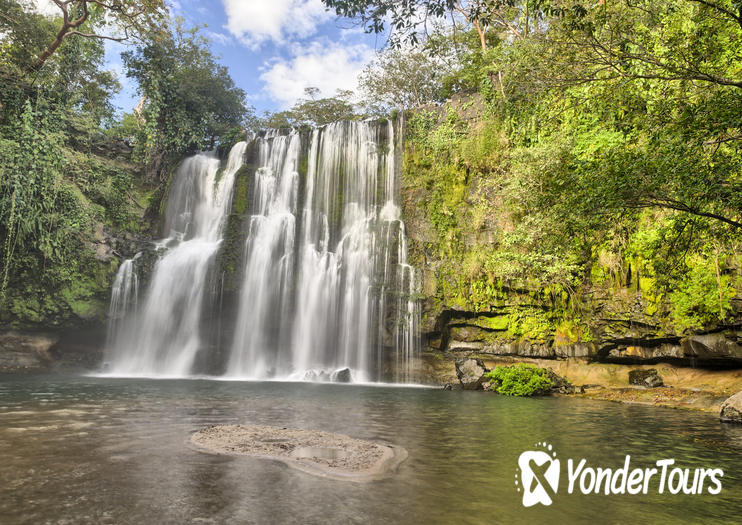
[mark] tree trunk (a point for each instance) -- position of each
(67, 26)
(480, 32)
(718, 282)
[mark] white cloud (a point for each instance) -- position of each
(46, 7)
(218, 38)
(327, 66)
(257, 21)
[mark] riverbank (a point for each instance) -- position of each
(684, 387)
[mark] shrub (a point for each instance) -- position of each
(520, 380)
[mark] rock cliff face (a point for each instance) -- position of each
(56, 315)
(461, 237)
(618, 325)
(453, 210)
(617, 341)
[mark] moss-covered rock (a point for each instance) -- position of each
(483, 289)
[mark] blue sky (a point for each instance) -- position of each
(273, 48)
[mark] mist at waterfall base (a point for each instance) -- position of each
(325, 291)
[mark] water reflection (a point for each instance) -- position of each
(93, 450)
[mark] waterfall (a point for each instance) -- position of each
(324, 290)
(322, 264)
(167, 337)
(264, 302)
(124, 299)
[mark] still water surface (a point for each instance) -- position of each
(102, 450)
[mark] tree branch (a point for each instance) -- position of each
(736, 17)
(67, 26)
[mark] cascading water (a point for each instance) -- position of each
(264, 302)
(321, 264)
(124, 299)
(325, 281)
(167, 335)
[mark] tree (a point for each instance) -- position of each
(189, 98)
(408, 19)
(402, 79)
(313, 110)
(277, 120)
(25, 35)
(678, 40)
(74, 78)
(132, 18)
(320, 111)
(648, 98)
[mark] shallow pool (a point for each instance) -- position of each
(101, 450)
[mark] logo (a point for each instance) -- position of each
(538, 473)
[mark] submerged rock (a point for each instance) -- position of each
(731, 409)
(324, 454)
(470, 373)
(647, 378)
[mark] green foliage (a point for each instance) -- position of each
(276, 120)
(320, 111)
(63, 178)
(406, 22)
(126, 128)
(189, 98)
(522, 379)
(28, 33)
(606, 160)
(30, 188)
(229, 138)
(402, 80)
(703, 297)
(313, 110)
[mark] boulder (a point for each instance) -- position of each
(731, 409)
(342, 376)
(648, 378)
(470, 373)
(559, 384)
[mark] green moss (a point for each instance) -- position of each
(499, 322)
(240, 195)
(483, 253)
(88, 309)
(26, 308)
(230, 253)
(570, 331)
(703, 298)
(83, 296)
(532, 325)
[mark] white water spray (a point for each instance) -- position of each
(168, 325)
(317, 276)
(326, 284)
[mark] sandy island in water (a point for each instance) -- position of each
(321, 453)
